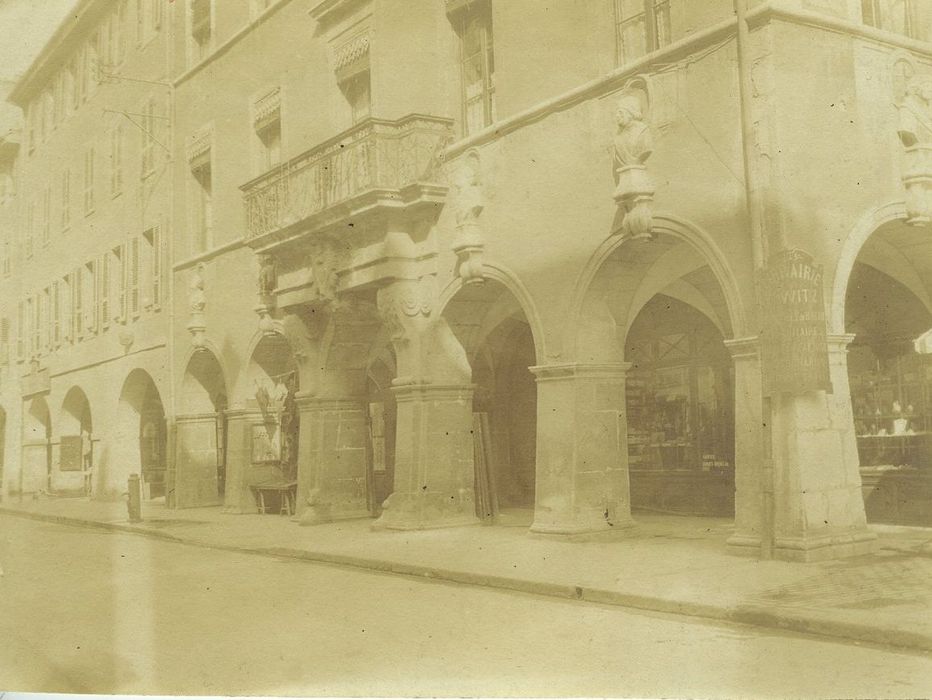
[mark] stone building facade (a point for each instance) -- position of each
(518, 263)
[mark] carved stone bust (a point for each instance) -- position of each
(197, 299)
(633, 143)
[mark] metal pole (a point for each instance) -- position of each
(759, 253)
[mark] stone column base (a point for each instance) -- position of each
(825, 547)
(407, 511)
(434, 472)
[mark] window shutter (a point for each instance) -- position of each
(134, 275)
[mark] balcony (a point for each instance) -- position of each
(375, 165)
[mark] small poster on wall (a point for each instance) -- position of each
(265, 443)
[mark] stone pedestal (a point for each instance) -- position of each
(196, 461)
(582, 449)
(434, 472)
(331, 459)
(819, 510)
(751, 462)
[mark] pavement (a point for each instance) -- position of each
(666, 564)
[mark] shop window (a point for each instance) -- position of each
(641, 26)
(680, 410)
(473, 23)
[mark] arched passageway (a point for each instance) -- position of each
(76, 463)
(493, 328)
(654, 366)
(36, 469)
(888, 308)
(199, 476)
(273, 429)
(142, 436)
(382, 422)
(680, 410)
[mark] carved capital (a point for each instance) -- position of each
(404, 305)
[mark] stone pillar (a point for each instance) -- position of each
(196, 460)
(331, 459)
(750, 461)
(582, 449)
(819, 509)
(434, 470)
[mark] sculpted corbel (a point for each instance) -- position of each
(469, 202)
(267, 281)
(197, 303)
(914, 128)
(632, 146)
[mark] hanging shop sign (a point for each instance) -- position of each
(794, 345)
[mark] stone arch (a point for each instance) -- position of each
(36, 469)
(76, 416)
(853, 244)
(500, 274)
(141, 437)
(498, 329)
(652, 277)
(200, 432)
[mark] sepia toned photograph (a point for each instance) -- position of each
(466, 348)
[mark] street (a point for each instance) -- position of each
(86, 610)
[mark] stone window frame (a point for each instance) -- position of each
(461, 13)
(656, 28)
(200, 156)
(350, 54)
(266, 113)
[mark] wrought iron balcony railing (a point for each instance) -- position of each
(375, 156)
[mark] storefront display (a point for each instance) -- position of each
(680, 413)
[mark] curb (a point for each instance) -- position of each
(756, 616)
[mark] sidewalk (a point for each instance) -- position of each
(667, 564)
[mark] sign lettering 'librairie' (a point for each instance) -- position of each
(794, 347)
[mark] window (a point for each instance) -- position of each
(35, 324)
(60, 97)
(148, 19)
(91, 299)
(89, 181)
(30, 229)
(4, 341)
(7, 263)
(56, 313)
(105, 309)
(133, 279)
(149, 125)
(46, 336)
(116, 160)
(92, 57)
(641, 26)
(75, 81)
(359, 95)
(477, 66)
(203, 207)
(268, 126)
(77, 305)
(65, 199)
(153, 239)
(901, 16)
(201, 29)
(20, 331)
(46, 214)
(48, 114)
(119, 256)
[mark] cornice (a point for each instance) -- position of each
(763, 14)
